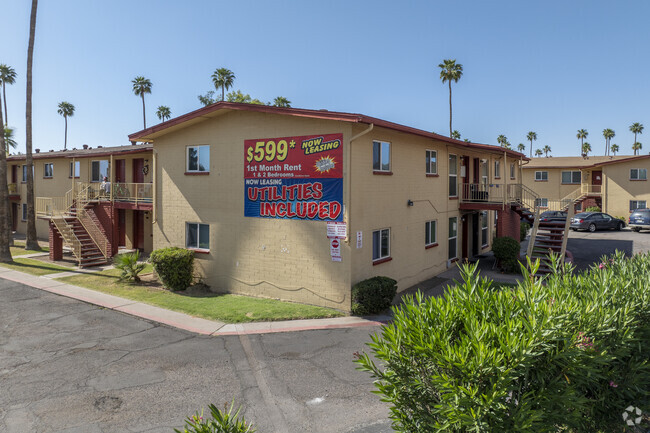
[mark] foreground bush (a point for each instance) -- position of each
(174, 266)
(221, 422)
(372, 296)
(128, 264)
(569, 355)
(523, 231)
(506, 251)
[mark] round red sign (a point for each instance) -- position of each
(335, 243)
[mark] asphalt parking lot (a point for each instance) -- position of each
(587, 248)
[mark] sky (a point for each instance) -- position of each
(552, 67)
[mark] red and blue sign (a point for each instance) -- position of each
(294, 177)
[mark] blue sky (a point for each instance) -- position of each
(552, 67)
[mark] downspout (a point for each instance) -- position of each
(154, 217)
(112, 181)
(361, 134)
(505, 178)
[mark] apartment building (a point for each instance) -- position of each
(616, 184)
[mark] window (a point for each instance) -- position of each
(453, 176)
(541, 176)
(380, 156)
(24, 216)
(74, 168)
(484, 173)
(430, 233)
(512, 171)
(637, 204)
(380, 244)
(638, 174)
(571, 177)
(432, 162)
(497, 169)
(48, 169)
(25, 173)
(99, 170)
(484, 229)
(198, 159)
(453, 237)
(197, 236)
(541, 202)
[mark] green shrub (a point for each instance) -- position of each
(128, 264)
(506, 251)
(373, 295)
(174, 266)
(592, 209)
(568, 353)
(221, 422)
(523, 230)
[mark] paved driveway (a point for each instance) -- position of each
(587, 248)
(67, 366)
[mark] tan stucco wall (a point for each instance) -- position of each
(620, 189)
(552, 189)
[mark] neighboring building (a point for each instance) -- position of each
(616, 184)
(252, 190)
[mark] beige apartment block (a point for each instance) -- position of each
(412, 202)
(616, 184)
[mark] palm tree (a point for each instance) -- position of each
(455, 134)
(608, 134)
(532, 136)
(521, 147)
(31, 242)
(636, 147)
(450, 71)
(142, 85)
(582, 134)
(163, 113)
(614, 148)
(9, 139)
(538, 152)
(586, 148)
(66, 110)
(7, 76)
(281, 101)
(5, 211)
(637, 128)
(502, 140)
(546, 150)
(223, 78)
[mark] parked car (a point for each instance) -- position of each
(593, 221)
(552, 216)
(639, 219)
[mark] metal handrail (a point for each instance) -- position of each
(73, 241)
(95, 233)
(12, 188)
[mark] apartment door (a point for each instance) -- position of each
(14, 174)
(464, 220)
(596, 181)
(138, 175)
(121, 227)
(138, 230)
(15, 209)
(475, 234)
(120, 171)
(476, 164)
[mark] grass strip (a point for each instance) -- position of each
(35, 267)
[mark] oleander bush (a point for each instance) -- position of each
(567, 353)
(129, 265)
(222, 421)
(506, 251)
(174, 267)
(592, 209)
(372, 296)
(523, 231)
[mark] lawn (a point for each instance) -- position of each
(200, 303)
(34, 267)
(19, 249)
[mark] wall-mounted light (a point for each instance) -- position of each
(409, 203)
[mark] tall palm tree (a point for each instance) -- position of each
(586, 148)
(9, 139)
(223, 78)
(31, 242)
(521, 147)
(532, 136)
(455, 134)
(66, 110)
(614, 148)
(538, 152)
(141, 86)
(5, 211)
(546, 150)
(502, 140)
(636, 128)
(281, 101)
(163, 113)
(7, 76)
(582, 134)
(450, 71)
(608, 134)
(636, 147)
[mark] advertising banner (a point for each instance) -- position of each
(294, 177)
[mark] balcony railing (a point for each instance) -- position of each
(588, 189)
(482, 193)
(133, 192)
(13, 188)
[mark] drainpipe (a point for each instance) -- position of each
(112, 181)
(154, 176)
(361, 134)
(505, 178)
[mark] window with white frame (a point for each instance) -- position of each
(75, 168)
(571, 177)
(99, 170)
(197, 236)
(48, 169)
(381, 156)
(24, 216)
(512, 171)
(198, 159)
(429, 233)
(484, 229)
(453, 175)
(453, 238)
(25, 173)
(432, 162)
(497, 169)
(484, 172)
(638, 174)
(380, 244)
(541, 176)
(637, 204)
(541, 202)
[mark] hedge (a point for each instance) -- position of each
(506, 251)
(568, 353)
(174, 266)
(372, 296)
